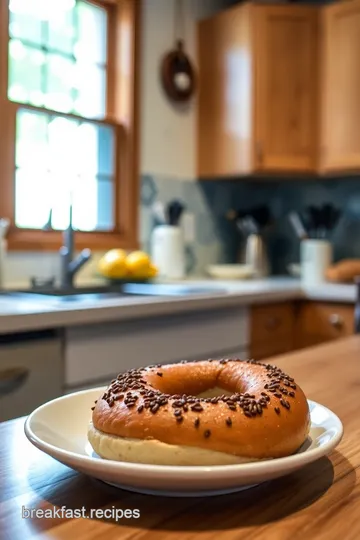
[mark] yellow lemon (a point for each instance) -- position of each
(153, 270)
(113, 264)
(139, 264)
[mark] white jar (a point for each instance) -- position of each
(315, 258)
(168, 251)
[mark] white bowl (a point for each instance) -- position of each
(59, 428)
(230, 271)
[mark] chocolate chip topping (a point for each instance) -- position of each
(131, 387)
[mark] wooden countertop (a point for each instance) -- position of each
(321, 501)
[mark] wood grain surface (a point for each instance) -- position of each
(321, 501)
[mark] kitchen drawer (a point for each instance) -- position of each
(270, 322)
(237, 353)
(99, 352)
(31, 373)
(317, 322)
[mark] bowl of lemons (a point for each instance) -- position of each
(119, 266)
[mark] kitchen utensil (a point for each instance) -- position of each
(256, 255)
(321, 220)
(330, 217)
(59, 429)
(230, 271)
(298, 225)
(261, 215)
(168, 251)
(174, 212)
(315, 258)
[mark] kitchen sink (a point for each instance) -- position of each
(98, 293)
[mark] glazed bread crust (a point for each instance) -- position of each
(265, 416)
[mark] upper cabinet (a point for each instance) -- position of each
(258, 90)
(285, 88)
(340, 96)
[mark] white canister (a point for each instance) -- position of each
(315, 258)
(168, 251)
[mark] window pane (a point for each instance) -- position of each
(92, 26)
(105, 196)
(59, 83)
(26, 27)
(90, 83)
(65, 160)
(25, 70)
(95, 150)
(61, 32)
(31, 139)
(57, 55)
(62, 186)
(63, 145)
(32, 196)
(85, 204)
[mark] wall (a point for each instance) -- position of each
(168, 145)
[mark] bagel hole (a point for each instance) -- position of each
(214, 392)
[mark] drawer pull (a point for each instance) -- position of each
(12, 379)
(272, 323)
(336, 321)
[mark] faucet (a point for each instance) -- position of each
(69, 265)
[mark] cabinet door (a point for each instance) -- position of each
(286, 67)
(341, 87)
(224, 102)
(31, 373)
(271, 330)
(318, 322)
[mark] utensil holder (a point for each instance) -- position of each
(168, 251)
(315, 258)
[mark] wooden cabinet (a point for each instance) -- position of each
(340, 127)
(287, 326)
(258, 90)
(320, 322)
(271, 330)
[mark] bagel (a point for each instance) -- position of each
(209, 412)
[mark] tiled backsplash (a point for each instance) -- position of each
(216, 240)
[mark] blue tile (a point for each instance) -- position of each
(148, 190)
(205, 229)
(190, 259)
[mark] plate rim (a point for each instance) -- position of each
(99, 465)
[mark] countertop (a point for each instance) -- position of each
(318, 502)
(25, 315)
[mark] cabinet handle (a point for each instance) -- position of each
(259, 152)
(12, 379)
(336, 321)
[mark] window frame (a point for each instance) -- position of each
(122, 96)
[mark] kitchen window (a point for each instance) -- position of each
(68, 118)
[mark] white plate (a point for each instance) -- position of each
(59, 428)
(230, 271)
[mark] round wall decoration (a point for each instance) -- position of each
(177, 72)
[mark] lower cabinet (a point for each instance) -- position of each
(318, 322)
(31, 372)
(283, 327)
(271, 329)
(94, 354)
